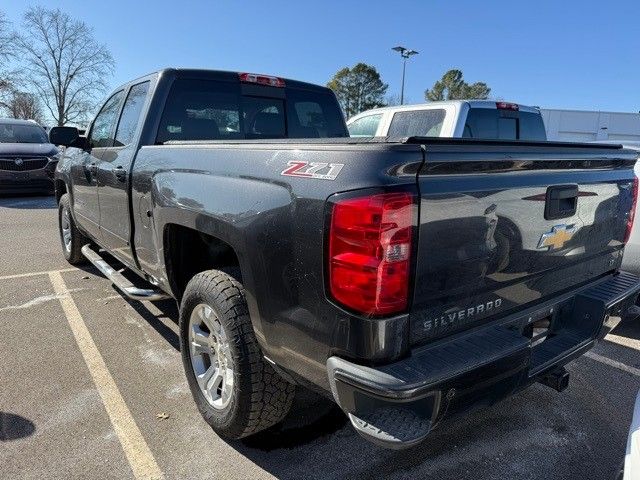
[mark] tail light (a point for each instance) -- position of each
(370, 243)
(261, 79)
(632, 212)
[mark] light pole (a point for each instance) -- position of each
(404, 53)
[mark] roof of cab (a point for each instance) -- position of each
(221, 75)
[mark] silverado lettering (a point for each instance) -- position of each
(453, 319)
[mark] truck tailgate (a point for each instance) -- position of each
(504, 225)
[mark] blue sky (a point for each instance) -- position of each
(555, 54)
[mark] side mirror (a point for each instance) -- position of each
(67, 136)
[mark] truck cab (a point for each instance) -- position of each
(480, 119)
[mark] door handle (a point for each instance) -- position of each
(120, 173)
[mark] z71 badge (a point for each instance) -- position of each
(319, 170)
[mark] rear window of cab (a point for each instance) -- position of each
(216, 110)
(493, 123)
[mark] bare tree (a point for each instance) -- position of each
(23, 105)
(64, 63)
(7, 46)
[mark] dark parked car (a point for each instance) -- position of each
(27, 159)
(374, 271)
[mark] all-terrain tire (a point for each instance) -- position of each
(260, 397)
(71, 249)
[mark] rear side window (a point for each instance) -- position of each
(365, 126)
(417, 123)
(201, 110)
(130, 116)
(314, 114)
(492, 123)
(532, 127)
(215, 110)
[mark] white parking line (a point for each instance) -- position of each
(624, 341)
(135, 447)
(613, 363)
(34, 274)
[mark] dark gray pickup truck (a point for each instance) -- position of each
(405, 279)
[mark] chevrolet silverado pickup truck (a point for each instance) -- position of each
(379, 272)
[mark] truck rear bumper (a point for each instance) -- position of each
(396, 405)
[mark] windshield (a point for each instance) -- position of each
(15, 133)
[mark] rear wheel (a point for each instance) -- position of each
(236, 391)
(71, 238)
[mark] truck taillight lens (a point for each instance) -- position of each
(632, 213)
(370, 243)
(261, 79)
(507, 106)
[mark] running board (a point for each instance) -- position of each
(119, 280)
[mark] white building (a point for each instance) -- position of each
(587, 126)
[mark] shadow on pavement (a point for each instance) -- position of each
(311, 418)
(13, 427)
(630, 325)
(169, 310)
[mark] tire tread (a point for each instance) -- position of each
(268, 396)
(78, 239)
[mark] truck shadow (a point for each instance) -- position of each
(311, 418)
(495, 442)
(14, 427)
(327, 447)
(169, 311)
(168, 308)
(629, 326)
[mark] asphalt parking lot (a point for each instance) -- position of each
(91, 386)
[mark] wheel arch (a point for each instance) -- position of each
(188, 251)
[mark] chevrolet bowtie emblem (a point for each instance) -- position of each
(557, 237)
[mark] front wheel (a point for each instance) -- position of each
(236, 391)
(71, 238)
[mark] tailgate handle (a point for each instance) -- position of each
(561, 202)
